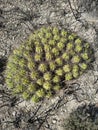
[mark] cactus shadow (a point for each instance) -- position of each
(84, 117)
(3, 61)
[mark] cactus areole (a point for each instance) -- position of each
(49, 58)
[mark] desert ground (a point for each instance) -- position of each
(18, 19)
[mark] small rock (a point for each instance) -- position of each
(13, 113)
(54, 121)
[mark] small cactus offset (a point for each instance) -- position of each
(50, 56)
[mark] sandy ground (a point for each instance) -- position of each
(18, 19)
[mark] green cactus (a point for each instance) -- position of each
(38, 49)
(69, 46)
(40, 93)
(35, 98)
(75, 74)
(63, 40)
(57, 87)
(47, 85)
(25, 95)
(83, 66)
(65, 56)
(85, 56)
(37, 57)
(66, 68)
(76, 59)
(48, 35)
(56, 79)
(31, 65)
(64, 33)
(37, 68)
(32, 88)
(34, 75)
(59, 61)
(70, 37)
(78, 48)
(40, 81)
(55, 51)
(47, 76)
(75, 71)
(60, 45)
(47, 48)
(78, 41)
(55, 30)
(56, 37)
(52, 65)
(52, 42)
(68, 76)
(49, 94)
(59, 72)
(49, 56)
(42, 67)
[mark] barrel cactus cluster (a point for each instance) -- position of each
(42, 65)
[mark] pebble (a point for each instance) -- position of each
(13, 113)
(54, 121)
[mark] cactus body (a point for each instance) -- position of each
(39, 66)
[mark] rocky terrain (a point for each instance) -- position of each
(18, 19)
